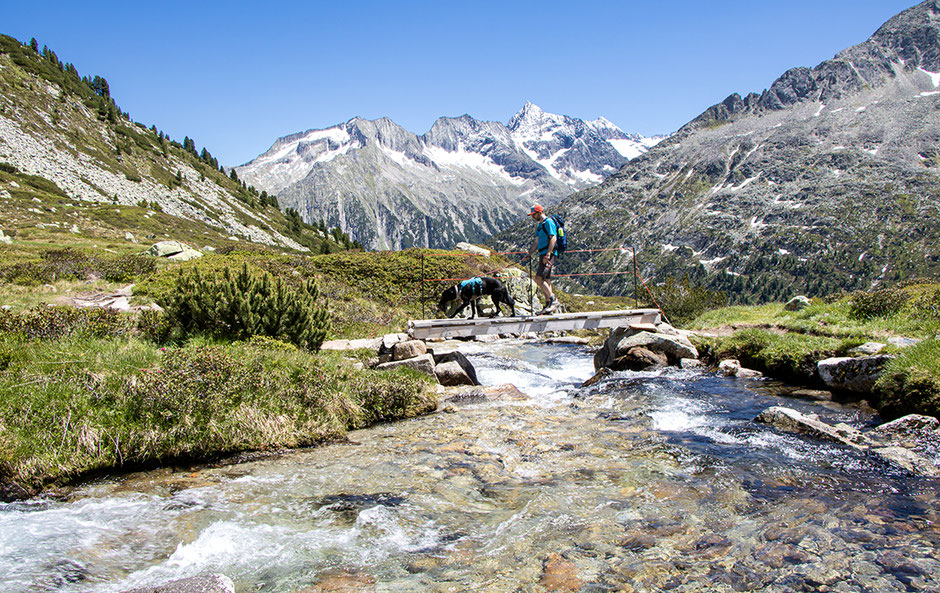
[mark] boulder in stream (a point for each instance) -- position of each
(661, 338)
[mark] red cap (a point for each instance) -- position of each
(535, 210)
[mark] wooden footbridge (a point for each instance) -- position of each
(422, 329)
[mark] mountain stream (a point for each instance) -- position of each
(644, 482)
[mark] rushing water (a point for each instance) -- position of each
(645, 482)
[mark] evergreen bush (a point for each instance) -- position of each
(245, 304)
(877, 303)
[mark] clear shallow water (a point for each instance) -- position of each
(647, 481)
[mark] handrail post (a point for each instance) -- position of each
(424, 314)
(531, 300)
(636, 274)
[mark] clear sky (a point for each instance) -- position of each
(235, 76)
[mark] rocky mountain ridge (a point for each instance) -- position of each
(463, 180)
(826, 181)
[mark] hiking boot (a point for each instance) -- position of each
(549, 306)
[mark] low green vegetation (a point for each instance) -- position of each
(787, 344)
(230, 365)
(89, 390)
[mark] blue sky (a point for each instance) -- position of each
(235, 76)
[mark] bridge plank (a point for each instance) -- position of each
(457, 328)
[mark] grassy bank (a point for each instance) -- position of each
(787, 344)
(86, 391)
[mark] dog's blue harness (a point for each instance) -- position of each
(475, 284)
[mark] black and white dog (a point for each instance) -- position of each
(468, 291)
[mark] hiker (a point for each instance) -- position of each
(546, 237)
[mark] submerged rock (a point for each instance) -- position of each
(790, 420)
(213, 583)
(906, 443)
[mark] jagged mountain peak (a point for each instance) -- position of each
(907, 42)
(532, 119)
(389, 188)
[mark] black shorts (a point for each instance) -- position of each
(545, 270)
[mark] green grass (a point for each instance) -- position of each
(914, 317)
(80, 404)
(910, 383)
(787, 344)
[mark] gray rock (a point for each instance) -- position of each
(599, 376)
(639, 358)
(912, 426)
(408, 349)
(797, 303)
(470, 248)
(868, 349)
(793, 421)
(674, 345)
(389, 340)
(167, 248)
(728, 367)
(365, 344)
(900, 451)
(690, 363)
(907, 459)
(214, 583)
(857, 375)
(744, 373)
(455, 356)
(423, 363)
(451, 374)
(185, 255)
(900, 342)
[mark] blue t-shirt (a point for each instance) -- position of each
(544, 231)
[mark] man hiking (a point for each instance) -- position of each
(546, 237)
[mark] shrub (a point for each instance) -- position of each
(52, 323)
(877, 303)
(127, 267)
(682, 302)
(928, 305)
(245, 304)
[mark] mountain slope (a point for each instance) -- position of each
(72, 163)
(828, 180)
(463, 180)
